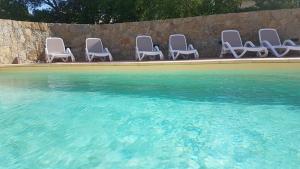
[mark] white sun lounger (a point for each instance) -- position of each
(232, 43)
(55, 49)
(94, 49)
(270, 39)
(144, 47)
(178, 46)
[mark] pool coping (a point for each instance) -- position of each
(151, 63)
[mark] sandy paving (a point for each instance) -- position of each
(216, 64)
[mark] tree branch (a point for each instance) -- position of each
(53, 4)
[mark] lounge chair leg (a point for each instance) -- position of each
(176, 57)
(141, 57)
(138, 57)
(282, 54)
(65, 59)
(90, 58)
(221, 55)
(161, 56)
(51, 60)
(48, 60)
(262, 53)
(236, 55)
(172, 56)
(196, 55)
(110, 57)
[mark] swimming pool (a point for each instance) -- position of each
(150, 119)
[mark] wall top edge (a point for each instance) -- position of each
(166, 20)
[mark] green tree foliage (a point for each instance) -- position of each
(164, 9)
(210, 7)
(13, 9)
(276, 4)
(112, 11)
(86, 11)
(118, 11)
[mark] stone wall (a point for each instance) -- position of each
(26, 40)
(22, 39)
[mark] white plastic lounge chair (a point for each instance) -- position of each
(178, 46)
(270, 39)
(232, 43)
(144, 47)
(94, 48)
(55, 49)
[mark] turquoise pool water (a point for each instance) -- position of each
(150, 120)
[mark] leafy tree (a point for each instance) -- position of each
(86, 11)
(49, 10)
(158, 9)
(118, 11)
(13, 9)
(112, 11)
(276, 4)
(80, 11)
(210, 7)
(54, 5)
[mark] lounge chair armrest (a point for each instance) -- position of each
(106, 50)
(265, 43)
(227, 45)
(68, 50)
(156, 48)
(109, 54)
(289, 43)
(191, 47)
(72, 56)
(249, 44)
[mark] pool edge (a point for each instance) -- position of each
(208, 64)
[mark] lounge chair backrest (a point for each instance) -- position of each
(178, 42)
(144, 43)
(269, 35)
(94, 45)
(233, 37)
(55, 45)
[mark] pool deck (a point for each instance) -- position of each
(211, 64)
